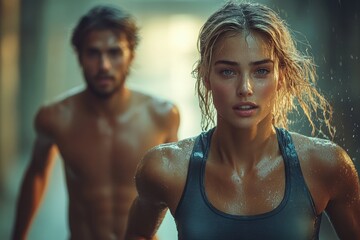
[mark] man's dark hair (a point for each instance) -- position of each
(103, 17)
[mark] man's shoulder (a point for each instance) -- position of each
(158, 107)
(66, 97)
(154, 102)
(57, 111)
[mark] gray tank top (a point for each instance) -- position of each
(294, 218)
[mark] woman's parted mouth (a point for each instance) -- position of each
(245, 106)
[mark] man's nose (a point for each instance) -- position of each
(105, 62)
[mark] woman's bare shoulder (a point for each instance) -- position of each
(162, 171)
(322, 156)
(168, 158)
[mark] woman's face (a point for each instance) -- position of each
(243, 80)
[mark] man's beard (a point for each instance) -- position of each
(103, 94)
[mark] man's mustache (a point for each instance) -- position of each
(104, 75)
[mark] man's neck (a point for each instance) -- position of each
(113, 105)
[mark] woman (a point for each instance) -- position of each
(248, 177)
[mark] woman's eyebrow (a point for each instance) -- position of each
(233, 63)
(226, 62)
(267, 60)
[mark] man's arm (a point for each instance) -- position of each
(36, 177)
(173, 124)
(149, 208)
(344, 206)
(167, 117)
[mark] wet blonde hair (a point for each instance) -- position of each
(297, 84)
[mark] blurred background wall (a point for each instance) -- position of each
(37, 64)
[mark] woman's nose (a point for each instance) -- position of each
(244, 87)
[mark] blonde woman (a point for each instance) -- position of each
(248, 177)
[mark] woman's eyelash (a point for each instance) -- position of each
(227, 72)
(263, 71)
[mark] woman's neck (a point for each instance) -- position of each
(244, 147)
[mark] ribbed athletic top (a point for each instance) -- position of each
(294, 218)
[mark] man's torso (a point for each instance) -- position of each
(100, 156)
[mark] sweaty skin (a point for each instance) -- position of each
(244, 173)
(100, 157)
(101, 133)
(162, 176)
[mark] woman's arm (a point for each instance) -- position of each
(343, 208)
(149, 208)
(144, 219)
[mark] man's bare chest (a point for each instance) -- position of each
(92, 151)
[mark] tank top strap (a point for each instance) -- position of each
(196, 165)
(288, 151)
(200, 151)
(291, 160)
(286, 145)
(295, 179)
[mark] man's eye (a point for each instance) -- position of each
(115, 52)
(92, 53)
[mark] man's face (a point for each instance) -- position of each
(105, 59)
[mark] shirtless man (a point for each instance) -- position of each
(101, 133)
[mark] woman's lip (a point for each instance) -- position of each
(240, 106)
(248, 111)
(245, 112)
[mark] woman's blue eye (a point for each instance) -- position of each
(262, 71)
(227, 72)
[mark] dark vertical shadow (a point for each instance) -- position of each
(342, 71)
(32, 72)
